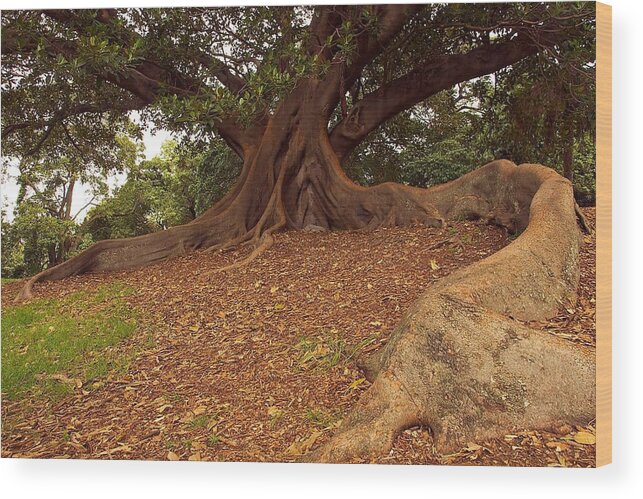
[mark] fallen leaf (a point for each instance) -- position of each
(172, 456)
(584, 437)
(274, 412)
(356, 383)
(301, 447)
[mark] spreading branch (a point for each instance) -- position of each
(124, 105)
(369, 44)
(424, 81)
(146, 80)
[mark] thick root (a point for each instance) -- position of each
(387, 409)
(262, 243)
(132, 253)
(460, 362)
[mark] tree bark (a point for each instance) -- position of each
(462, 362)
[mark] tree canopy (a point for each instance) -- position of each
(201, 70)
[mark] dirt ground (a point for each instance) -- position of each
(258, 363)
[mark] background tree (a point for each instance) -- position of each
(545, 113)
(44, 231)
(436, 142)
(170, 189)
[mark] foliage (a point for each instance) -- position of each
(536, 113)
(44, 230)
(169, 189)
(430, 145)
(36, 232)
(11, 251)
(204, 66)
(48, 344)
(216, 171)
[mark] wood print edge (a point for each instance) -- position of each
(604, 234)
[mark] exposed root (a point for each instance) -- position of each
(458, 362)
(582, 220)
(371, 431)
(228, 245)
(450, 241)
(265, 241)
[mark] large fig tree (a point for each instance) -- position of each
(293, 90)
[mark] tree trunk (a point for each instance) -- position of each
(52, 255)
(291, 178)
(568, 158)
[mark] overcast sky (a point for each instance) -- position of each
(9, 191)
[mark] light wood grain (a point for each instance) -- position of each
(603, 234)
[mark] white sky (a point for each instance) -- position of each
(9, 190)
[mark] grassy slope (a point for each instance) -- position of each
(51, 346)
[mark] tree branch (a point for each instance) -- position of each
(424, 81)
(326, 20)
(86, 205)
(369, 44)
(148, 79)
(101, 107)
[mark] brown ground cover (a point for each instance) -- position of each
(258, 363)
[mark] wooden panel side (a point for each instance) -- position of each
(603, 234)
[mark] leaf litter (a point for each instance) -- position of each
(258, 363)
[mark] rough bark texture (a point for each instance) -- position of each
(460, 362)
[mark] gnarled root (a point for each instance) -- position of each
(385, 410)
(460, 363)
(124, 254)
(469, 374)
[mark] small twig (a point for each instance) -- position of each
(582, 221)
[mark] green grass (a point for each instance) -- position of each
(322, 351)
(327, 350)
(200, 421)
(69, 338)
(7, 280)
(323, 419)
